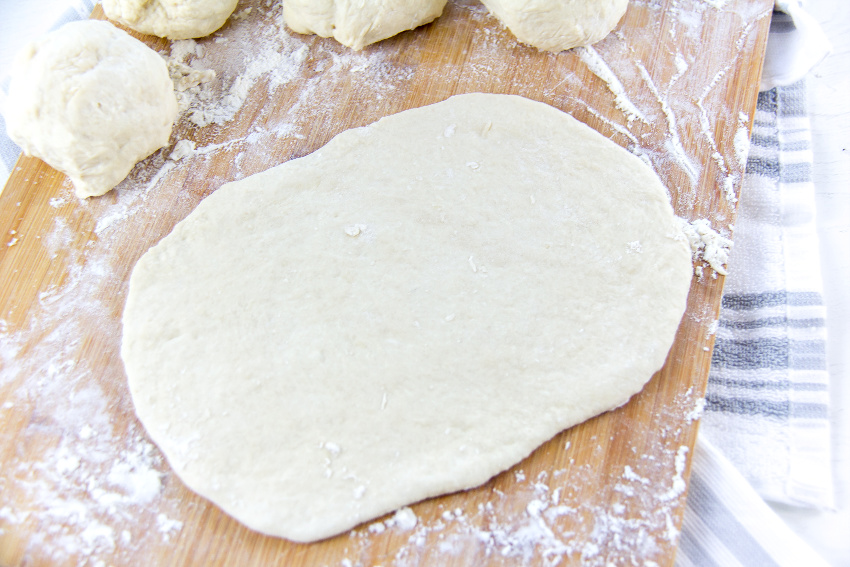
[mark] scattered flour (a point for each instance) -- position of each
(590, 57)
(404, 519)
(707, 245)
(681, 64)
(527, 527)
(182, 149)
(678, 486)
(674, 141)
(742, 140)
(697, 412)
(712, 329)
(167, 527)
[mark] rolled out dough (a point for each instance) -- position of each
(406, 312)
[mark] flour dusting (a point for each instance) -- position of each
(707, 245)
(590, 57)
(674, 141)
(503, 532)
(742, 140)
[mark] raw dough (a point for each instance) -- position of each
(406, 312)
(90, 101)
(174, 19)
(357, 23)
(556, 25)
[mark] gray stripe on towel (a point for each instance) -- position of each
(796, 172)
(770, 141)
(792, 101)
(773, 322)
(769, 352)
(778, 385)
(778, 410)
(763, 167)
(747, 301)
(798, 146)
(691, 547)
(726, 527)
(767, 102)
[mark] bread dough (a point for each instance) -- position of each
(174, 19)
(406, 312)
(556, 25)
(90, 101)
(357, 23)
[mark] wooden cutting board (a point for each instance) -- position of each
(80, 483)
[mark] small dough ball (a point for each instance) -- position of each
(357, 23)
(174, 19)
(90, 101)
(556, 25)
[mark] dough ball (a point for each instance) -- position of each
(357, 23)
(556, 25)
(90, 101)
(174, 19)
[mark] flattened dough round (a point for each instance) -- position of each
(406, 312)
(358, 23)
(174, 19)
(556, 25)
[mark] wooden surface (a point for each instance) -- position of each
(81, 484)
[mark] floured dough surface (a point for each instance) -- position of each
(406, 312)
(91, 101)
(358, 23)
(174, 19)
(556, 25)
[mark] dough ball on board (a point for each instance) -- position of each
(91, 101)
(358, 23)
(556, 25)
(174, 19)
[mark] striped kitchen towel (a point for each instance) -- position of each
(768, 396)
(765, 424)
(726, 524)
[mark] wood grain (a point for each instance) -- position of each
(81, 484)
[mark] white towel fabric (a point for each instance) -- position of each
(726, 524)
(795, 45)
